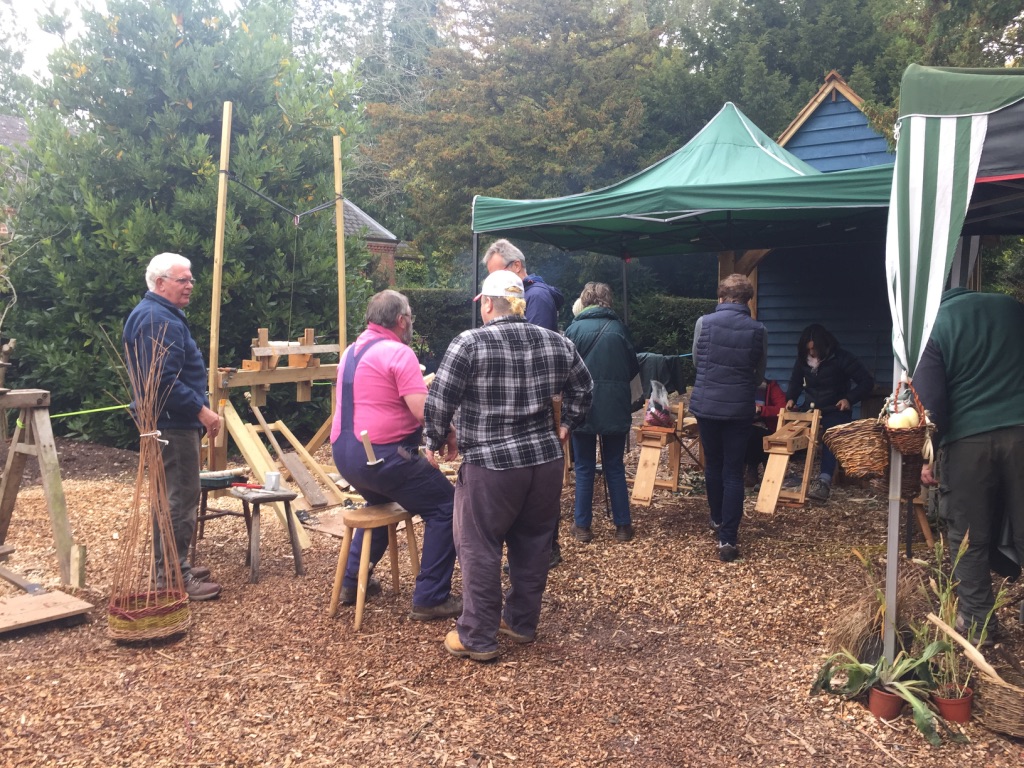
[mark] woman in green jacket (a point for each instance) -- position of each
(604, 344)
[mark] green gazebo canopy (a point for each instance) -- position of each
(729, 188)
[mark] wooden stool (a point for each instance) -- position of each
(207, 484)
(256, 497)
(368, 518)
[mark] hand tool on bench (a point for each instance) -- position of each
(292, 462)
(371, 457)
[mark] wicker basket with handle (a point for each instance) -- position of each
(860, 446)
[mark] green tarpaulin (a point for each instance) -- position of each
(729, 188)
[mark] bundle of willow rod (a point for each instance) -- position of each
(146, 604)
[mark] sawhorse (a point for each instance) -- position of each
(796, 432)
(652, 440)
(34, 437)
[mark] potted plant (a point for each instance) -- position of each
(907, 677)
(950, 670)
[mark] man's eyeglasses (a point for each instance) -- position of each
(410, 315)
(182, 280)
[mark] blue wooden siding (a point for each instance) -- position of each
(837, 137)
(843, 290)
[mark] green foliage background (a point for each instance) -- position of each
(436, 101)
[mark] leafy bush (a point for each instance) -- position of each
(664, 324)
(441, 315)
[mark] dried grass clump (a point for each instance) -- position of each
(859, 629)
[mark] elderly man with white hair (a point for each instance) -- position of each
(158, 319)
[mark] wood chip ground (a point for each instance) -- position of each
(649, 654)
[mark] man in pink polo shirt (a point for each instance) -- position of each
(381, 390)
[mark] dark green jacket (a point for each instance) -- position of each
(971, 374)
(604, 344)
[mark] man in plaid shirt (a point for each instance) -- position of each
(498, 382)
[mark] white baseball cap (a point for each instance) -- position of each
(502, 284)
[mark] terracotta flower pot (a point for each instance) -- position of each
(884, 705)
(955, 710)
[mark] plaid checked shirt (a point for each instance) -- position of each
(501, 378)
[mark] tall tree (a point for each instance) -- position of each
(124, 165)
(534, 100)
(15, 86)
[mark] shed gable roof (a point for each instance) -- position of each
(831, 132)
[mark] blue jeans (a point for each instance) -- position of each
(584, 448)
(831, 419)
(725, 448)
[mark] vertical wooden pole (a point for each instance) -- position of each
(41, 435)
(339, 215)
(217, 458)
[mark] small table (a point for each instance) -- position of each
(256, 497)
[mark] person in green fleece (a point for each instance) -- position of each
(970, 381)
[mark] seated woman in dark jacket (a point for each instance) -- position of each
(832, 380)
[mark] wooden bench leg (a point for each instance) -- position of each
(414, 556)
(393, 552)
(339, 572)
(254, 546)
(293, 535)
(364, 579)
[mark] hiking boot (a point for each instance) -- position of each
(623, 533)
(200, 590)
(750, 477)
(728, 552)
(556, 557)
(972, 630)
(714, 527)
(348, 594)
(449, 609)
(200, 572)
(820, 490)
(454, 646)
(583, 535)
(514, 636)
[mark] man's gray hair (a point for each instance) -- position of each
(386, 307)
(509, 253)
(161, 264)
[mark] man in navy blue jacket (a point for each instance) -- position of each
(158, 319)
(543, 301)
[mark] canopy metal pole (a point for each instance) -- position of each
(476, 279)
(625, 292)
(892, 540)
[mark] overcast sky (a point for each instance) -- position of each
(40, 44)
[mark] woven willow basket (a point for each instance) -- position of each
(908, 440)
(1000, 705)
(148, 616)
(860, 446)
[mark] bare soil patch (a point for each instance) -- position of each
(649, 654)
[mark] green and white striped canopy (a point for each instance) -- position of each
(941, 134)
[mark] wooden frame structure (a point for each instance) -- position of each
(33, 436)
(797, 431)
(263, 370)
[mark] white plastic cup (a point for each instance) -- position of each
(272, 481)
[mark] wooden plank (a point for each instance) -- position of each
(78, 566)
(232, 378)
(6, 550)
(53, 489)
(258, 459)
(771, 483)
(646, 474)
(11, 482)
(315, 467)
(298, 349)
(26, 610)
(25, 398)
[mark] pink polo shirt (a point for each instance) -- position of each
(387, 373)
